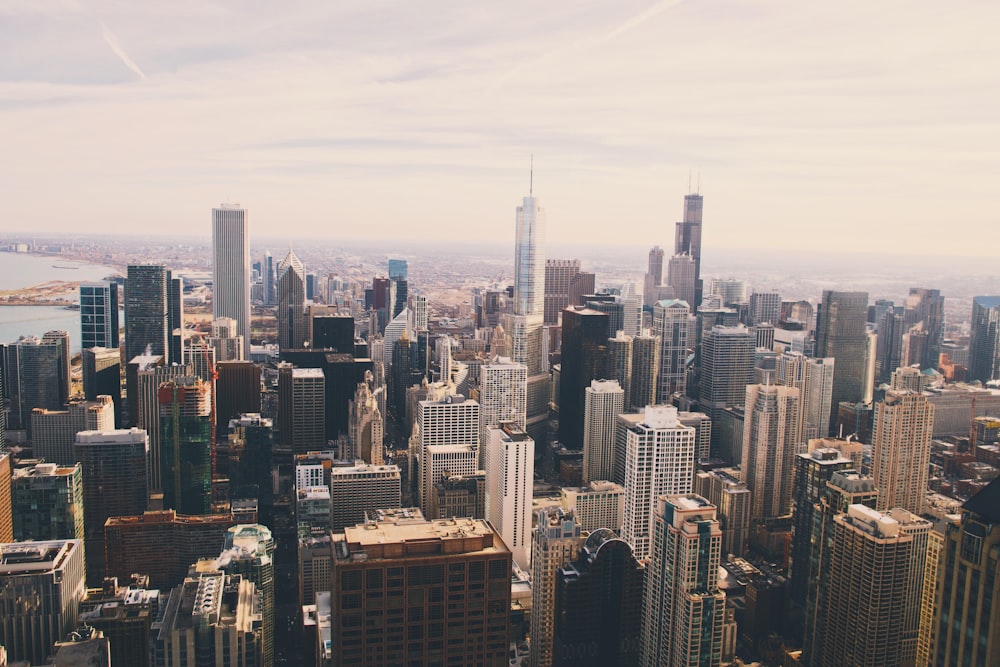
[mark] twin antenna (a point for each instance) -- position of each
(698, 191)
(531, 178)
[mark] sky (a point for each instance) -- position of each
(848, 126)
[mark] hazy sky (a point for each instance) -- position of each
(851, 124)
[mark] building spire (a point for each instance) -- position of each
(531, 177)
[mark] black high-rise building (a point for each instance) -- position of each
(984, 343)
(598, 605)
(102, 369)
(333, 332)
(341, 372)
(237, 392)
(584, 343)
(147, 330)
(175, 318)
(841, 334)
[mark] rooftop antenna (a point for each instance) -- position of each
(698, 191)
(531, 178)
(689, 180)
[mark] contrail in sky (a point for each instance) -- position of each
(631, 23)
(112, 41)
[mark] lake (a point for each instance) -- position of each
(18, 271)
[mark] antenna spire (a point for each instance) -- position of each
(531, 177)
(699, 182)
(689, 180)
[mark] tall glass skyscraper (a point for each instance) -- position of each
(98, 315)
(231, 269)
(529, 259)
(984, 344)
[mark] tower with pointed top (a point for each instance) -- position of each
(687, 240)
(291, 302)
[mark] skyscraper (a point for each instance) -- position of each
(765, 307)
(967, 620)
(559, 274)
(302, 409)
(102, 368)
(984, 343)
(670, 324)
(618, 364)
(47, 502)
(682, 279)
(687, 239)
(175, 319)
(904, 424)
(654, 276)
(556, 539)
(840, 333)
(248, 550)
(682, 606)
(659, 460)
(186, 445)
(54, 431)
(598, 605)
(645, 370)
(231, 268)
(509, 461)
(453, 422)
(113, 465)
(871, 607)
(925, 307)
(368, 589)
(604, 400)
(529, 259)
(291, 303)
(770, 441)
(146, 329)
(43, 373)
(146, 399)
(727, 358)
(6, 518)
(41, 586)
(584, 338)
(99, 315)
(503, 394)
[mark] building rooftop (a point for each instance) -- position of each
(27, 557)
(384, 539)
(44, 470)
(986, 503)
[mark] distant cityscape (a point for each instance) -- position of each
(325, 454)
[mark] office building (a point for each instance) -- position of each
(186, 445)
(618, 364)
(146, 328)
(654, 276)
(645, 370)
(967, 623)
(47, 502)
(840, 333)
(99, 315)
(113, 466)
(671, 324)
(400, 563)
(727, 359)
(984, 342)
(604, 400)
(904, 424)
(366, 428)
(682, 606)
(231, 268)
(584, 338)
(102, 368)
(291, 303)
(302, 409)
(175, 319)
(765, 308)
(770, 442)
(598, 605)
(6, 517)
(161, 544)
(559, 275)
(54, 431)
(557, 538)
(659, 460)
(875, 561)
(149, 374)
(731, 498)
(212, 619)
(41, 586)
(248, 551)
(361, 488)
(459, 496)
(124, 615)
(224, 341)
(687, 239)
(43, 374)
(237, 390)
(925, 309)
(452, 423)
(599, 504)
(509, 462)
(503, 394)
(681, 277)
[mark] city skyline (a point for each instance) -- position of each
(766, 113)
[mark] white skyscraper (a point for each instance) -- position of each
(452, 422)
(509, 460)
(529, 259)
(231, 269)
(904, 424)
(503, 394)
(659, 459)
(604, 400)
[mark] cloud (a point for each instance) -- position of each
(112, 41)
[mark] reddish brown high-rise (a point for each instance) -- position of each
(408, 591)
